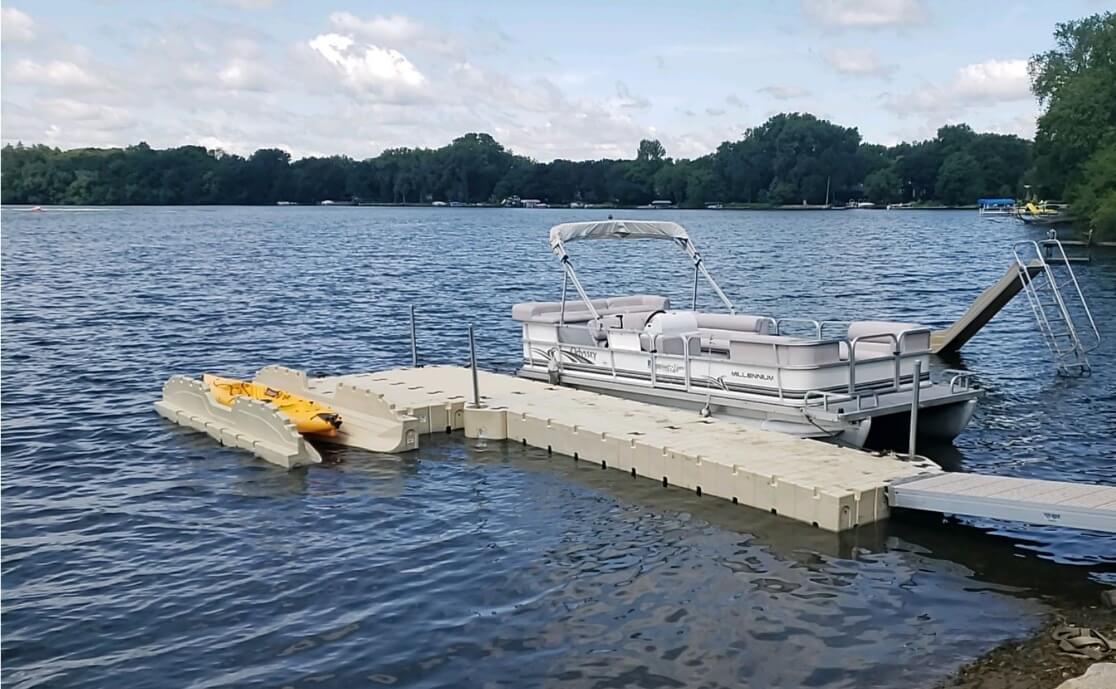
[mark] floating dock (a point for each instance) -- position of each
(1035, 501)
(831, 487)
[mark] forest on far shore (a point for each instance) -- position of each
(792, 158)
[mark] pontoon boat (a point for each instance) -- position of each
(838, 382)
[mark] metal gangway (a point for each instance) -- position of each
(1059, 307)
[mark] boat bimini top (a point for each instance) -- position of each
(560, 235)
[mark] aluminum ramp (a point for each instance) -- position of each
(1033, 501)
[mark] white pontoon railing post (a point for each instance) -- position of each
(693, 307)
(686, 360)
(562, 312)
(852, 365)
(915, 390)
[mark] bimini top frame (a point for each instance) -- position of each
(625, 229)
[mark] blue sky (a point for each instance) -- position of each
(572, 80)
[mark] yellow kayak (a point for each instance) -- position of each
(307, 415)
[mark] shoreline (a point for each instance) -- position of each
(742, 207)
(1034, 661)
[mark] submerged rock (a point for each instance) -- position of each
(1098, 676)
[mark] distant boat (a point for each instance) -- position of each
(900, 206)
(996, 207)
(862, 204)
(714, 206)
(457, 204)
(439, 203)
(285, 203)
(1048, 213)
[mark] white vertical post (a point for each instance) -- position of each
(414, 340)
(473, 365)
(915, 389)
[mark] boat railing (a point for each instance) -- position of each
(780, 324)
(959, 381)
(693, 356)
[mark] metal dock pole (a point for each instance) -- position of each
(414, 340)
(473, 365)
(915, 389)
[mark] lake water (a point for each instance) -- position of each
(139, 554)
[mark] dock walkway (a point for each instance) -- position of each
(832, 487)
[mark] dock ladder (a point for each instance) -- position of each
(1058, 305)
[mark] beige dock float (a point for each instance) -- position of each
(831, 487)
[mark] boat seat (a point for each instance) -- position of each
(577, 312)
(771, 350)
(882, 346)
(735, 322)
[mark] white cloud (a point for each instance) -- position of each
(1022, 126)
(389, 30)
(59, 73)
(865, 13)
(994, 80)
(16, 26)
(63, 111)
(248, 4)
(984, 83)
(368, 69)
(783, 92)
(857, 62)
(978, 94)
(244, 75)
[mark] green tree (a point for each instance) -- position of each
(1076, 81)
(1095, 195)
(883, 186)
(959, 180)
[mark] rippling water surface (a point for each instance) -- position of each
(139, 554)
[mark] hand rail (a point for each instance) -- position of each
(806, 321)
(959, 380)
(852, 357)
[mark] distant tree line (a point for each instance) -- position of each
(790, 159)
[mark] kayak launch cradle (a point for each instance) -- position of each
(258, 426)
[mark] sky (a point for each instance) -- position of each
(574, 80)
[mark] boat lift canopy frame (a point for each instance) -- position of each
(625, 229)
